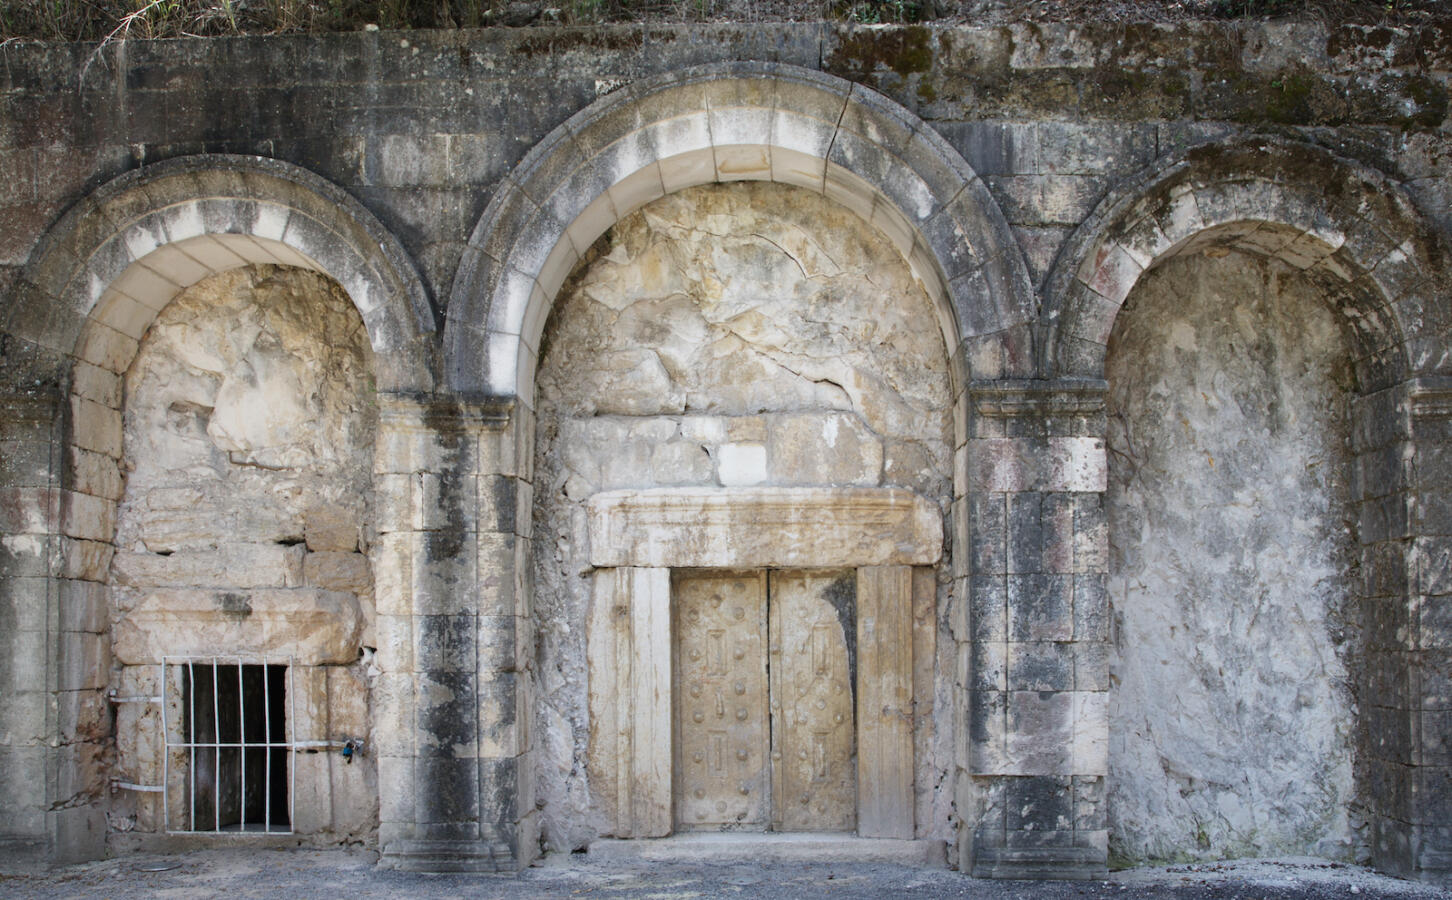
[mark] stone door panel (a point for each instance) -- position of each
(763, 718)
(721, 721)
(811, 661)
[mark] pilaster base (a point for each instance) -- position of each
(447, 856)
(1040, 864)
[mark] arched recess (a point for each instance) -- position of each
(98, 277)
(1348, 228)
(1353, 235)
(93, 285)
(719, 123)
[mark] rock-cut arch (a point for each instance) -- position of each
(1345, 226)
(718, 123)
(103, 271)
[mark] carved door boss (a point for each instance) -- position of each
(764, 730)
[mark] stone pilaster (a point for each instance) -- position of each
(1416, 722)
(1031, 788)
(453, 624)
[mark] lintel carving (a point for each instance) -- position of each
(764, 528)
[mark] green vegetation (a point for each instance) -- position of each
(66, 20)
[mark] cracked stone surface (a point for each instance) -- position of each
(744, 334)
(1231, 567)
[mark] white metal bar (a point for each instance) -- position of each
(145, 788)
(242, 751)
(192, 775)
(165, 754)
(217, 753)
(267, 730)
(290, 733)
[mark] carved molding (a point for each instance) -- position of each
(1064, 397)
(442, 412)
(1430, 398)
(764, 528)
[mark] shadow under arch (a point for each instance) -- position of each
(721, 123)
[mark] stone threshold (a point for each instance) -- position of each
(803, 847)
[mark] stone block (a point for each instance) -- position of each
(1040, 666)
(86, 517)
(446, 791)
(822, 448)
(331, 528)
(499, 503)
(988, 666)
(445, 502)
(442, 568)
(446, 710)
(236, 565)
(1090, 733)
(394, 724)
(85, 661)
(989, 533)
(987, 738)
(1040, 607)
(1041, 803)
(741, 464)
(27, 463)
(445, 644)
(334, 570)
(312, 627)
(95, 427)
(1041, 733)
(681, 462)
(1091, 665)
(95, 474)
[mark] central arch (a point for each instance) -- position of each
(721, 123)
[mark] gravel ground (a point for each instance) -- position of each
(336, 874)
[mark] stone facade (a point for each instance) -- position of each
(1052, 418)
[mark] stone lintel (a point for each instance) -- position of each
(1012, 398)
(443, 412)
(758, 528)
(1040, 863)
(447, 856)
(312, 627)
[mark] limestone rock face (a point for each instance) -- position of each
(244, 522)
(1231, 567)
(249, 427)
(726, 336)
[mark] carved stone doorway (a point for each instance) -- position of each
(835, 598)
(764, 723)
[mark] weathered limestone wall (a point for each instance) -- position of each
(404, 163)
(728, 335)
(246, 522)
(1232, 567)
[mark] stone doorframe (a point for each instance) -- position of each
(638, 537)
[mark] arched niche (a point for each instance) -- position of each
(721, 123)
(1345, 233)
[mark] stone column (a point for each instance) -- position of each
(1030, 793)
(452, 569)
